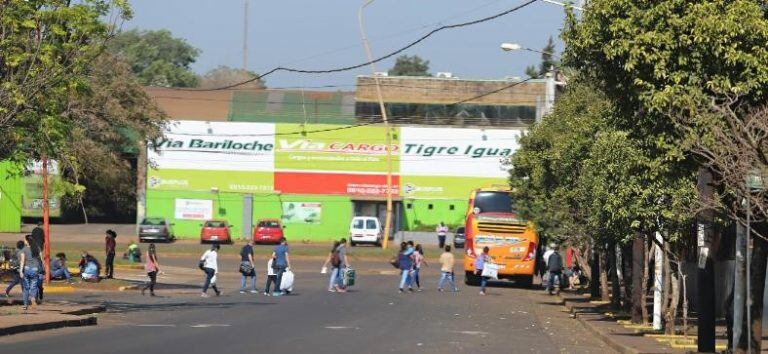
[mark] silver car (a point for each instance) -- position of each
(156, 230)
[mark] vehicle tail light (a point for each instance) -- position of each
(530, 254)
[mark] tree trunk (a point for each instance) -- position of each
(757, 287)
(613, 258)
(668, 291)
(604, 292)
(671, 314)
(594, 280)
(637, 291)
(647, 257)
(706, 273)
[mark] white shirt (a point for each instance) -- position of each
(442, 230)
(270, 270)
(211, 260)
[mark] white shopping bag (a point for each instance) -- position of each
(213, 280)
(286, 283)
(491, 270)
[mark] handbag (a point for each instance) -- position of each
(395, 262)
(246, 268)
(201, 264)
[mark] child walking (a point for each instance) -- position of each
(271, 278)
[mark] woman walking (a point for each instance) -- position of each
(334, 261)
(480, 262)
(209, 263)
(29, 271)
(152, 268)
(16, 266)
(418, 261)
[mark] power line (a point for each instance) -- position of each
(384, 57)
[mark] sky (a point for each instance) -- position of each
(324, 34)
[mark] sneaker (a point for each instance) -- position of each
(400, 291)
(254, 291)
(242, 291)
(419, 290)
(276, 293)
(7, 295)
(265, 293)
(331, 290)
(482, 293)
(204, 295)
(218, 293)
(440, 289)
(410, 290)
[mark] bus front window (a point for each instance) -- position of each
(493, 202)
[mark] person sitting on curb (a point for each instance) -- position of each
(89, 267)
(59, 268)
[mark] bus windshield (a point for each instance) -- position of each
(493, 202)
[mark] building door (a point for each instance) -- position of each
(247, 216)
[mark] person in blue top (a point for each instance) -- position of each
(281, 263)
(479, 266)
(406, 265)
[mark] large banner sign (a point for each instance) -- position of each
(302, 213)
(329, 159)
(193, 209)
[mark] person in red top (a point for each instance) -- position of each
(109, 266)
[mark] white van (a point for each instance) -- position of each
(365, 229)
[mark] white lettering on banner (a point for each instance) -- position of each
(370, 189)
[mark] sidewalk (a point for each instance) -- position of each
(14, 320)
(622, 338)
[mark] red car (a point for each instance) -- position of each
(268, 231)
(215, 231)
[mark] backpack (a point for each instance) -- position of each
(335, 259)
(555, 262)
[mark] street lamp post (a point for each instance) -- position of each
(509, 47)
(388, 218)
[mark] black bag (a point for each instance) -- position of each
(201, 264)
(246, 268)
(395, 262)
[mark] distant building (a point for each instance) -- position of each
(303, 157)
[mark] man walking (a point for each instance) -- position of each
(247, 268)
(446, 269)
(281, 263)
(110, 245)
(555, 268)
(442, 230)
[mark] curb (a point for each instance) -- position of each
(602, 336)
(76, 322)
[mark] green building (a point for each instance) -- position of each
(10, 198)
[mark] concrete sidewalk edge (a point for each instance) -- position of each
(74, 322)
(582, 318)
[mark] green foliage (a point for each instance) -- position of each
(410, 66)
(157, 58)
(224, 75)
(548, 61)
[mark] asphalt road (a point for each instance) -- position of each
(373, 318)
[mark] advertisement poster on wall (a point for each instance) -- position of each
(32, 191)
(302, 213)
(193, 209)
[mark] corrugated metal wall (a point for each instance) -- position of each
(10, 199)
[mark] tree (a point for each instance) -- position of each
(224, 76)
(547, 60)
(410, 66)
(677, 69)
(157, 58)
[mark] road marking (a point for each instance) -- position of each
(156, 325)
(208, 325)
(338, 327)
(473, 333)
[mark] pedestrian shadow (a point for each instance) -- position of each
(125, 307)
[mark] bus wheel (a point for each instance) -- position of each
(471, 279)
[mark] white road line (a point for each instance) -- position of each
(337, 327)
(208, 325)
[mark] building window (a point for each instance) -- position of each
(430, 207)
(409, 206)
(451, 207)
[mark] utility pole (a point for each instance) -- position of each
(706, 273)
(388, 219)
(658, 281)
(46, 223)
(245, 35)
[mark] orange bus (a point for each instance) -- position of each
(512, 241)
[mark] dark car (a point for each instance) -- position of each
(156, 230)
(458, 237)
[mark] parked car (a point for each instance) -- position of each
(365, 229)
(268, 231)
(156, 229)
(459, 237)
(215, 231)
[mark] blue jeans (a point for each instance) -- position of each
(29, 284)
(61, 273)
(483, 280)
(209, 273)
(335, 278)
(554, 280)
(244, 281)
(15, 281)
(405, 278)
(449, 277)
